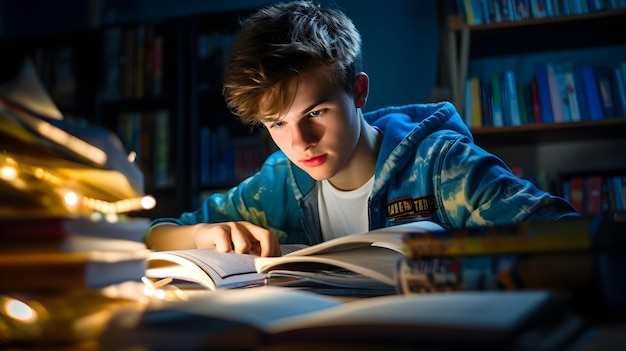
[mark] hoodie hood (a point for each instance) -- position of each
(404, 127)
(414, 122)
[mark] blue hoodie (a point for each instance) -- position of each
(428, 168)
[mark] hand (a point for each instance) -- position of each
(240, 237)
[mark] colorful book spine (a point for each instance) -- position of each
(543, 89)
(496, 102)
(555, 93)
(536, 103)
(513, 100)
(571, 92)
(527, 237)
(581, 95)
(593, 95)
(604, 88)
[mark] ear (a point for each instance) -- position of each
(361, 89)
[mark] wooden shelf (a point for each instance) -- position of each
(466, 42)
(614, 128)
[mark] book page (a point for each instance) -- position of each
(389, 237)
(374, 262)
(226, 270)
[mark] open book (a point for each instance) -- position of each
(360, 261)
(273, 318)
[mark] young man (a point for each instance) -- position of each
(296, 70)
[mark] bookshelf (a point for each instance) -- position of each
(157, 85)
(550, 153)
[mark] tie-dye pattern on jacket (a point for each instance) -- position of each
(428, 168)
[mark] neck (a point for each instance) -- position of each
(362, 164)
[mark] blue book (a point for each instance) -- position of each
(593, 96)
(541, 75)
(619, 92)
(581, 95)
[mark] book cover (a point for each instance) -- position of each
(496, 101)
(619, 92)
(523, 103)
(543, 89)
(581, 95)
(555, 92)
(29, 229)
(603, 80)
(512, 100)
(477, 113)
(536, 103)
(593, 94)
(564, 271)
(576, 194)
(527, 237)
(571, 92)
(61, 271)
(593, 195)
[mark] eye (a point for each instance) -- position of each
(316, 113)
(277, 125)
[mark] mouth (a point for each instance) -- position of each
(315, 161)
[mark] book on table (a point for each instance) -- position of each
(363, 261)
(278, 318)
(69, 253)
(375, 262)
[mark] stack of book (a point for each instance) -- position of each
(67, 192)
(579, 257)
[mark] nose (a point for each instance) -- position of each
(302, 137)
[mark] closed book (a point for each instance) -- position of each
(555, 93)
(603, 79)
(543, 89)
(28, 230)
(619, 92)
(513, 100)
(485, 104)
(61, 271)
(581, 95)
(523, 105)
(496, 101)
(527, 237)
(593, 95)
(576, 190)
(536, 103)
(593, 195)
(571, 92)
(477, 113)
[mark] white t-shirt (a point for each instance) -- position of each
(343, 212)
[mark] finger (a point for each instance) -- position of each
(242, 239)
(223, 241)
(268, 241)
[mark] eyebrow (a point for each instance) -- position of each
(313, 106)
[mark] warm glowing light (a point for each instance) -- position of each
(20, 311)
(8, 173)
(112, 218)
(148, 202)
(71, 199)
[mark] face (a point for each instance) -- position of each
(321, 130)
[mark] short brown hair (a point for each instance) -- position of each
(279, 42)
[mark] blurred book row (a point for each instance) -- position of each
(476, 12)
(68, 195)
(557, 92)
(595, 193)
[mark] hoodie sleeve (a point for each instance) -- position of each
(254, 200)
(478, 188)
